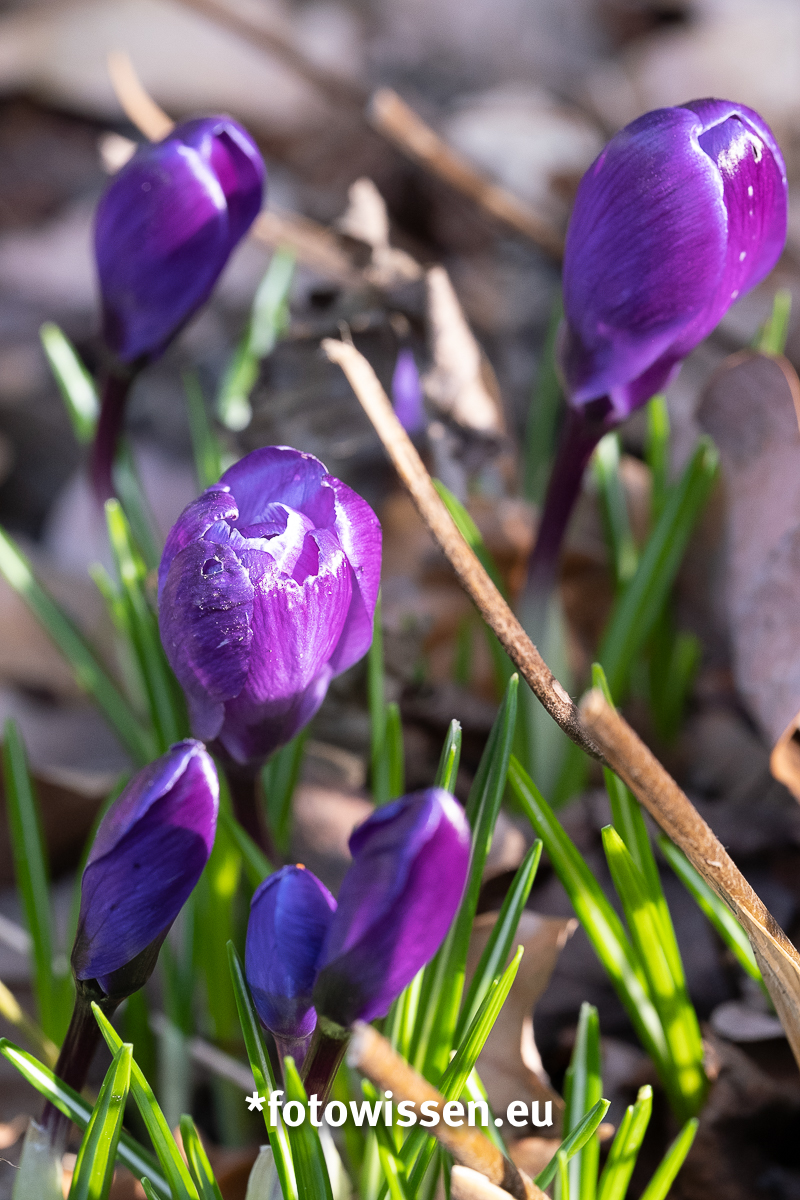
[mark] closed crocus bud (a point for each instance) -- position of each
(165, 227)
(148, 855)
(397, 901)
(407, 393)
(290, 914)
(267, 589)
(683, 212)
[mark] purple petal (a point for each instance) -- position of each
(205, 619)
(407, 393)
(147, 857)
(278, 474)
(215, 504)
(289, 917)
(359, 534)
(397, 901)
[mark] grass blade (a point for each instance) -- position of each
(205, 444)
(583, 1089)
(772, 339)
(198, 1162)
(279, 780)
(617, 1172)
(715, 909)
(671, 1163)
(138, 1160)
(175, 1169)
(656, 453)
(447, 771)
(614, 505)
(687, 1081)
(256, 865)
(576, 1141)
(30, 870)
(376, 692)
(309, 1161)
(94, 1168)
(394, 751)
(16, 570)
(603, 927)
(74, 382)
(640, 604)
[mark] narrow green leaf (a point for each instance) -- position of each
(257, 866)
(715, 909)
(541, 436)
(233, 400)
(772, 339)
(94, 1167)
(614, 505)
(138, 1160)
(279, 780)
(263, 1077)
(270, 316)
(576, 1141)
(602, 925)
(687, 1081)
(205, 444)
(197, 1158)
(394, 751)
(563, 1175)
(74, 381)
(671, 1163)
(497, 949)
(309, 1161)
(136, 507)
(640, 604)
(656, 453)
(217, 924)
(613, 1183)
(376, 692)
(392, 1165)
(175, 1170)
(583, 1089)
(30, 870)
(89, 674)
(674, 661)
(447, 771)
(12, 1011)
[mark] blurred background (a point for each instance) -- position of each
(527, 92)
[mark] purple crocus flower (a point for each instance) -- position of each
(290, 914)
(149, 853)
(407, 393)
(267, 590)
(166, 226)
(396, 903)
(683, 212)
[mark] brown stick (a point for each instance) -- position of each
(659, 793)
(393, 118)
(374, 1056)
(475, 581)
(466, 1184)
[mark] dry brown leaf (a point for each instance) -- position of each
(461, 383)
(367, 220)
(466, 1184)
(509, 1064)
(784, 762)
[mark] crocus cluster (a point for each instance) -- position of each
(267, 590)
(306, 955)
(164, 230)
(683, 212)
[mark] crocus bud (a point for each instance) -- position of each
(267, 589)
(396, 903)
(683, 212)
(148, 855)
(407, 393)
(289, 918)
(166, 226)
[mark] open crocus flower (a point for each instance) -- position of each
(267, 589)
(149, 853)
(395, 905)
(290, 914)
(683, 212)
(166, 226)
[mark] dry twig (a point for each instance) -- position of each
(598, 728)
(784, 762)
(474, 579)
(466, 1184)
(373, 1056)
(392, 117)
(659, 793)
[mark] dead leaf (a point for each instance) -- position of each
(367, 220)
(509, 1063)
(11, 1131)
(784, 762)
(461, 383)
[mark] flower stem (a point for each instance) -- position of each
(324, 1055)
(77, 1052)
(582, 431)
(109, 428)
(244, 787)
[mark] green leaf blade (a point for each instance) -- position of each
(94, 1168)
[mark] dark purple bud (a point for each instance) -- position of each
(166, 226)
(407, 393)
(267, 590)
(395, 906)
(683, 212)
(289, 918)
(149, 853)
